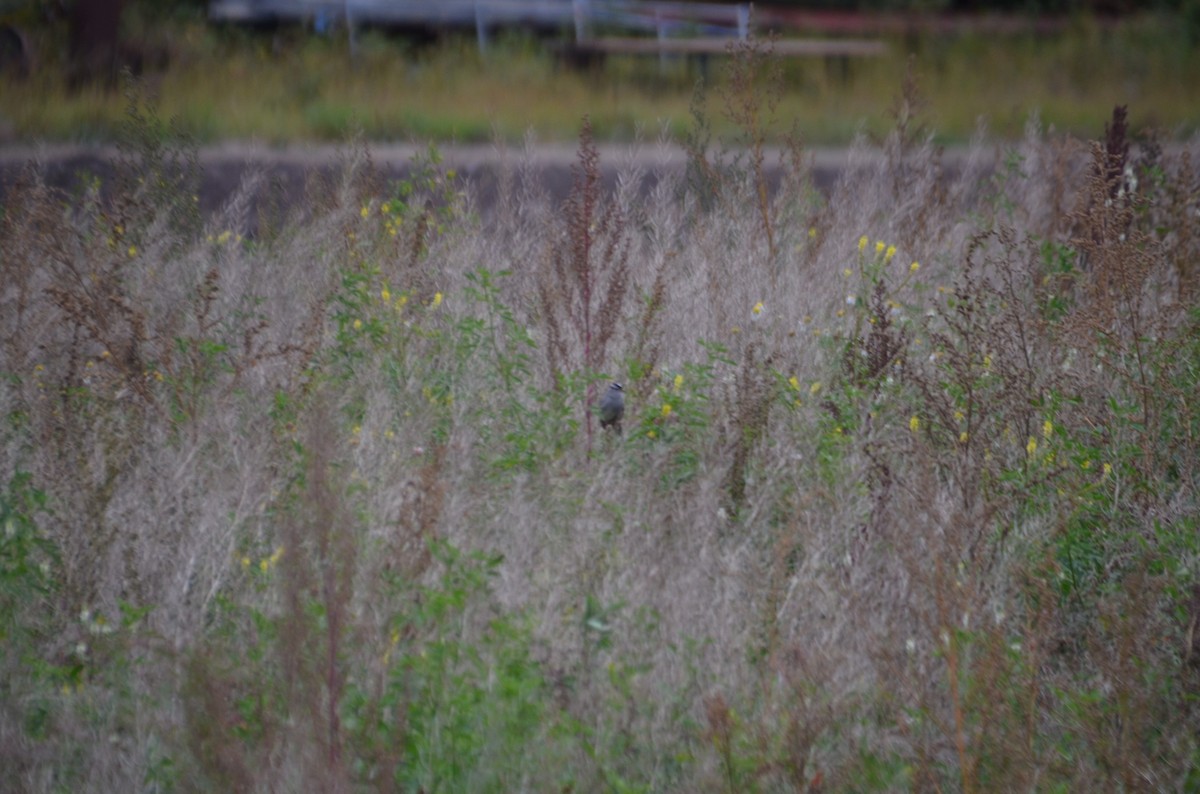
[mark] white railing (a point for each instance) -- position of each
(664, 18)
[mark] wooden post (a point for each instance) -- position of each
(351, 37)
(480, 28)
(662, 34)
(582, 13)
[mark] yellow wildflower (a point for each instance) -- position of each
(223, 237)
(1107, 469)
(1031, 447)
(891, 251)
(437, 300)
(357, 324)
(1047, 428)
(879, 246)
(666, 409)
(651, 434)
(386, 207)
(914, 424)
(366, 210)
(914, 267)
(794, 383)
(678, 383)
(812, 232)
(758, 308)
(862, 243)
(816, 387)
(962, 437)
(847, 272)
(385, 295)
(132, 251)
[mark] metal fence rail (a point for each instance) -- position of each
(601, 27)
(661, 17)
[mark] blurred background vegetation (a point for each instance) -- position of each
(996, 64)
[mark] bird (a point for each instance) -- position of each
(612, 407)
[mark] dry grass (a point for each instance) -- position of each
(906, 496)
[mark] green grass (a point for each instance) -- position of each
(223, 85)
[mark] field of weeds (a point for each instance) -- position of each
(904, 498)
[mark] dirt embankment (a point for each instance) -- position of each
(225, 167)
